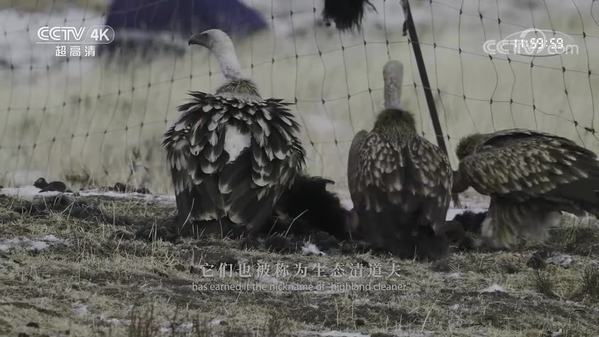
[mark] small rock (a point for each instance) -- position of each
(33, 325)
(494, 288)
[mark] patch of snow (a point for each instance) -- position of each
(37, 245)
(494, 288)
(216, 321)
(562, 260)
(454, 275)
(311, 249)
(51, 238)
(80, 309)
(31, 192)
(402, 333)
(115, 321)
(183, 328)
(332, 334)
(267, 279)
(128, 195)
(452, 212)
(25, 192)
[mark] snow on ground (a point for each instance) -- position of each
(563, 260)
(311, 249)
(332, 334)
(26, 192)
(493, 288)
(166, 198)
(32, 192)
(37, 245)
(470, 201)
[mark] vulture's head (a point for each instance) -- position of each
(209, 38)
(468, 145)
(221, 46)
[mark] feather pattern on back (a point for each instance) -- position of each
(399, 182)
(544, 172)
(232, 157)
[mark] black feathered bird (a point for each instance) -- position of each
(530, 176)
(232, 154)
(308, 207)
(346, 14)
(399, 182)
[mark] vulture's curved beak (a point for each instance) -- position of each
(200, 38)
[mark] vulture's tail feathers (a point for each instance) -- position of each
(247, 206)
(507, 222)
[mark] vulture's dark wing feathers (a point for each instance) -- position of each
(530, 176)
(381, 172)
(527, 165)
(401, 192)
(232, 157)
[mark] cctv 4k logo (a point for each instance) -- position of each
(100, 34)
(74, 41)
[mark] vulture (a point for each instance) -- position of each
(530, 177)
(232, 154)
(347, 14)
(399, 182)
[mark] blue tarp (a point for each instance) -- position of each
(182, 17)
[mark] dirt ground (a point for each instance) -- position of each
(74, 266)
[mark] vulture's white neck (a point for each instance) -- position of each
(392, 75)
(223, 49)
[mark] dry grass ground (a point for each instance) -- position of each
(100, 120)
(96, 279)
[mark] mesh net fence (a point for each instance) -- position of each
(95, 120)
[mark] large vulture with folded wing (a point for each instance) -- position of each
(399, 182)
(232, 154)
(530, 176)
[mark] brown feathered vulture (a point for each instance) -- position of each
(530, 176)
(399, 182)
(346, 14)
(232, 154)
